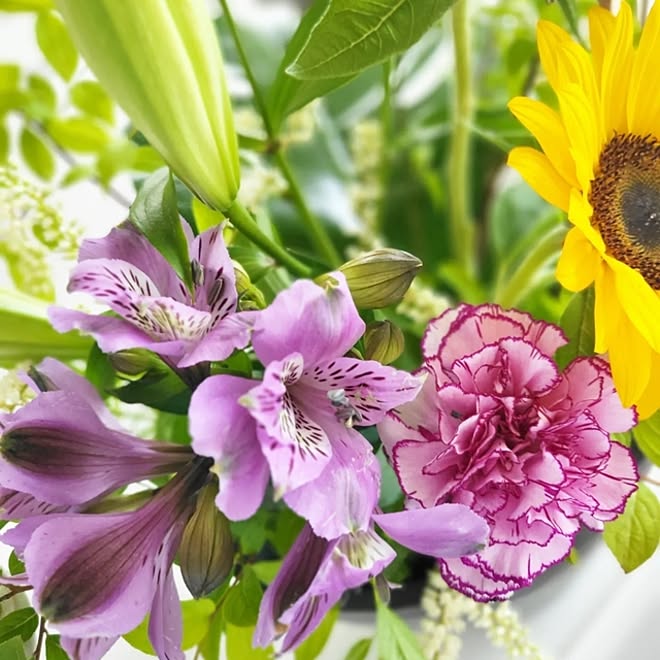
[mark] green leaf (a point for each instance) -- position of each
(92, 99)
(209, 647)
(577, 322)
(25, 5)
(251, 533)
(289, 94)
(313, 645)
(239, 644)
(196, 617)
(27, 335)
(37, 155)
(41, 99)
(395, 639)
(4, 143)
(647, 437)
(355, 34)
(80, 134)
(159, 388)
(16, 566)
(54, 650)
(55, 43)
(154, 212)
(634, 535)
(267, 570)
(205, 217)
(13, 649)
(241, 606)
(21, 623)
(360, 649)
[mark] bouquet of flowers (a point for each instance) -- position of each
(332, 343)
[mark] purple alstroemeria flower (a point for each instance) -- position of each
(297, 424)
(99, 578)
(154, 307)
(65, 448)
(316, 572)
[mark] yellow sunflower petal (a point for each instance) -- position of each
(616, 66)
(607, 309)
(546, 126)
(540, 174)
(549, 37)
(575, 68)
(579, 213)
(601, 26)
(582, 129)
(630, 360)
(578, 263)
(649, 402)
(639, 301)
(643, 98)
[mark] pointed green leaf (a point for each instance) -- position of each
(54, 650)
(37, 155)
(241, 605)
(154, 212)
(352, 35)
(395, 639)
(633, 537)
(196, 617)
(55, 43)
(289, 94)
(92, 99)
(41, 99)
(313, 645)
(209, 647)
(647, 437)
(239, 644)
(21, 623)
(159, 388)
(577, 322)
(359, 650)
(80, 134)
(13, 649)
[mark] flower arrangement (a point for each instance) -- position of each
(305, 360)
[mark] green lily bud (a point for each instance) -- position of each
(249, 296)
(383, 341)
(380, 278)
(160, 60)
(206, 553)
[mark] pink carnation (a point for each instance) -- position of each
(499, 428)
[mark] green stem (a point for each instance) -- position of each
(387, 126)
(259, 100)
(461, 226)
(244, 222)
(313, 225)
(317, 231)
(519, 283)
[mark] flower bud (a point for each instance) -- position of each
(380, 278)
(383, 341)
(249, 296)
(160, 60)
(206, 553)
(132, 362)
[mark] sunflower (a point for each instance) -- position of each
(601, 164)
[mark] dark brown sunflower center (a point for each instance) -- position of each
(625, 196)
